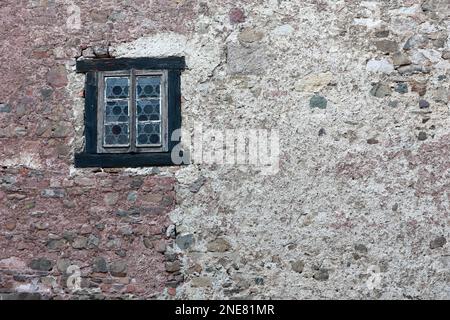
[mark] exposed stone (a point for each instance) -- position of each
(148, 243)
(185, 242)
(55, 244)
(57, 77)
(298, 266)
(246, 60)
(218, 245)
(412, 69)
(382, 34)
(160, 246)
(118, 269)
(321, 275)
(201, 282)
(424, 104)
(386, 46)
(10, 225)
(422, 136)
(173, 266)
(438, 242)
(416, 41)
(100, 265)
(41, 264)
(80, 242)
(101, 52)
(400, 59)
(197, 184)
(380, 66)
(401, 87)
(372, 141)
(318, 101)
(250, 35)
(361, 248)
(53, 193)
(237, 15)
(419, 87)
(380, 90)
(5, 108)
(393, 103)
(446, 55)
(93, 242)
(88, 53)
(111, 199)
(132, 196)
(314, 82)
(62, 265)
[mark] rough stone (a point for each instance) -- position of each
(318, 101)
(424, 104)
(416, 41)
(386, 46)
(380, 66)
(250, 35)
(298, 266)
(57, 77)
(381, 90)
(185, 242)
(237, 15)
(400, 59)
(80, 242)
(100, 265)
(246, 60)
(201, 282)
(438, 242)
(62, 265)
(401, 87)
(422, 136)
(314, 82)
(118, 269)
(173, 266)
(197, 184)
(321, 275)
(218, 245)
(41, 264)
(5, 108)
(419, 87)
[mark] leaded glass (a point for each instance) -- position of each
(116, 112)
(148, 110)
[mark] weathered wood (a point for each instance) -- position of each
(169, 63)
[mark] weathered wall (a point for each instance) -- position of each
(358, 92)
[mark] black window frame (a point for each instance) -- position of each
(90, 157)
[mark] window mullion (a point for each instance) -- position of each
(133, 111)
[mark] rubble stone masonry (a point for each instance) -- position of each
(358, 92)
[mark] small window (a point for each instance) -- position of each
(132, 107)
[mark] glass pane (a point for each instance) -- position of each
(116, 111)
(116, 87)
(116, 134)
(148, 133)
(148, 110)
(148, 87)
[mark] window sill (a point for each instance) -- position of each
(126, 160)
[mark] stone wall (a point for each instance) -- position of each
(358, 92)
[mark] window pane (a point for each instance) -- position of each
(148, 87)
(116, 134)
(148, 111)
(116, 117)
(149, 133)
(116, 88)
(116, 111)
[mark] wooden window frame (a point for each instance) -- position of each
(94, 154)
